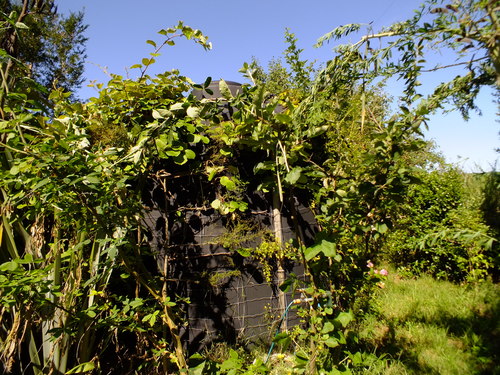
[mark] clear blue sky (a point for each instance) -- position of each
(240, 30)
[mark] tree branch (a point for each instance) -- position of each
(453, 65)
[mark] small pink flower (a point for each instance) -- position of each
(376, 272)
(384, 272)
(369, 264)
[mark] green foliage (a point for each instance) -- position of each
(293, 75)
(329, 346)
(467, 28)
(233, 362)
(71, 220)
(235, 365)
(301, 70)
(270, 253)
(490, 206)
(338, 146)
(51, 45)
(73, 278)
(440, 230)
(276, 77)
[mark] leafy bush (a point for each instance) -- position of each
(440, 230)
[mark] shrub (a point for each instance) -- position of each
(441, 230)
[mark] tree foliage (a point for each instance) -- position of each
(51, 45)
(467, 29)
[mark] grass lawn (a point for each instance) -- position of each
(426, 326)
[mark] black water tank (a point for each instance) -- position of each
(234, 87)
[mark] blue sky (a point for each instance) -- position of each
(240, 30)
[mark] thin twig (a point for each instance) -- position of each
(453, 65)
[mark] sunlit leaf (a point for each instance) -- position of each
(227, 183)
(224, 89)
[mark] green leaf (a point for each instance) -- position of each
(244, 252)
(136, 302)
(81, 368)
(226, 151)
(281, 117)
(173, 153)
(344, 318)
(357, 358)
(91, 179)
(381, 228)
(181, 159)
(236, 205)
(316, 131)
(190, 154)
(161, 113)
(283, 339)
(188, 32)
(212, 171)
(9, 266)
(280, 337)
(161, 145)
(327, 327)
(224, 90)
(288, 283)
(311, 252)
(151, 42)
(341, 193)
(216, 204)
(42, 183)
(328, 248)
(301, 358)
(177, 107)
(332, 342)
(150, 318)
(232, 363)
(227, 183)
(14, 170)
(264, 166)
(207, 82)
(196, 364)
(293, 176)
(28, 258)
(20, 25)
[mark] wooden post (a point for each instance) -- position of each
(278, 234)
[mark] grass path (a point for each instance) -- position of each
(426, 326)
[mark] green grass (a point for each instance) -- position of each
(424, 326)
